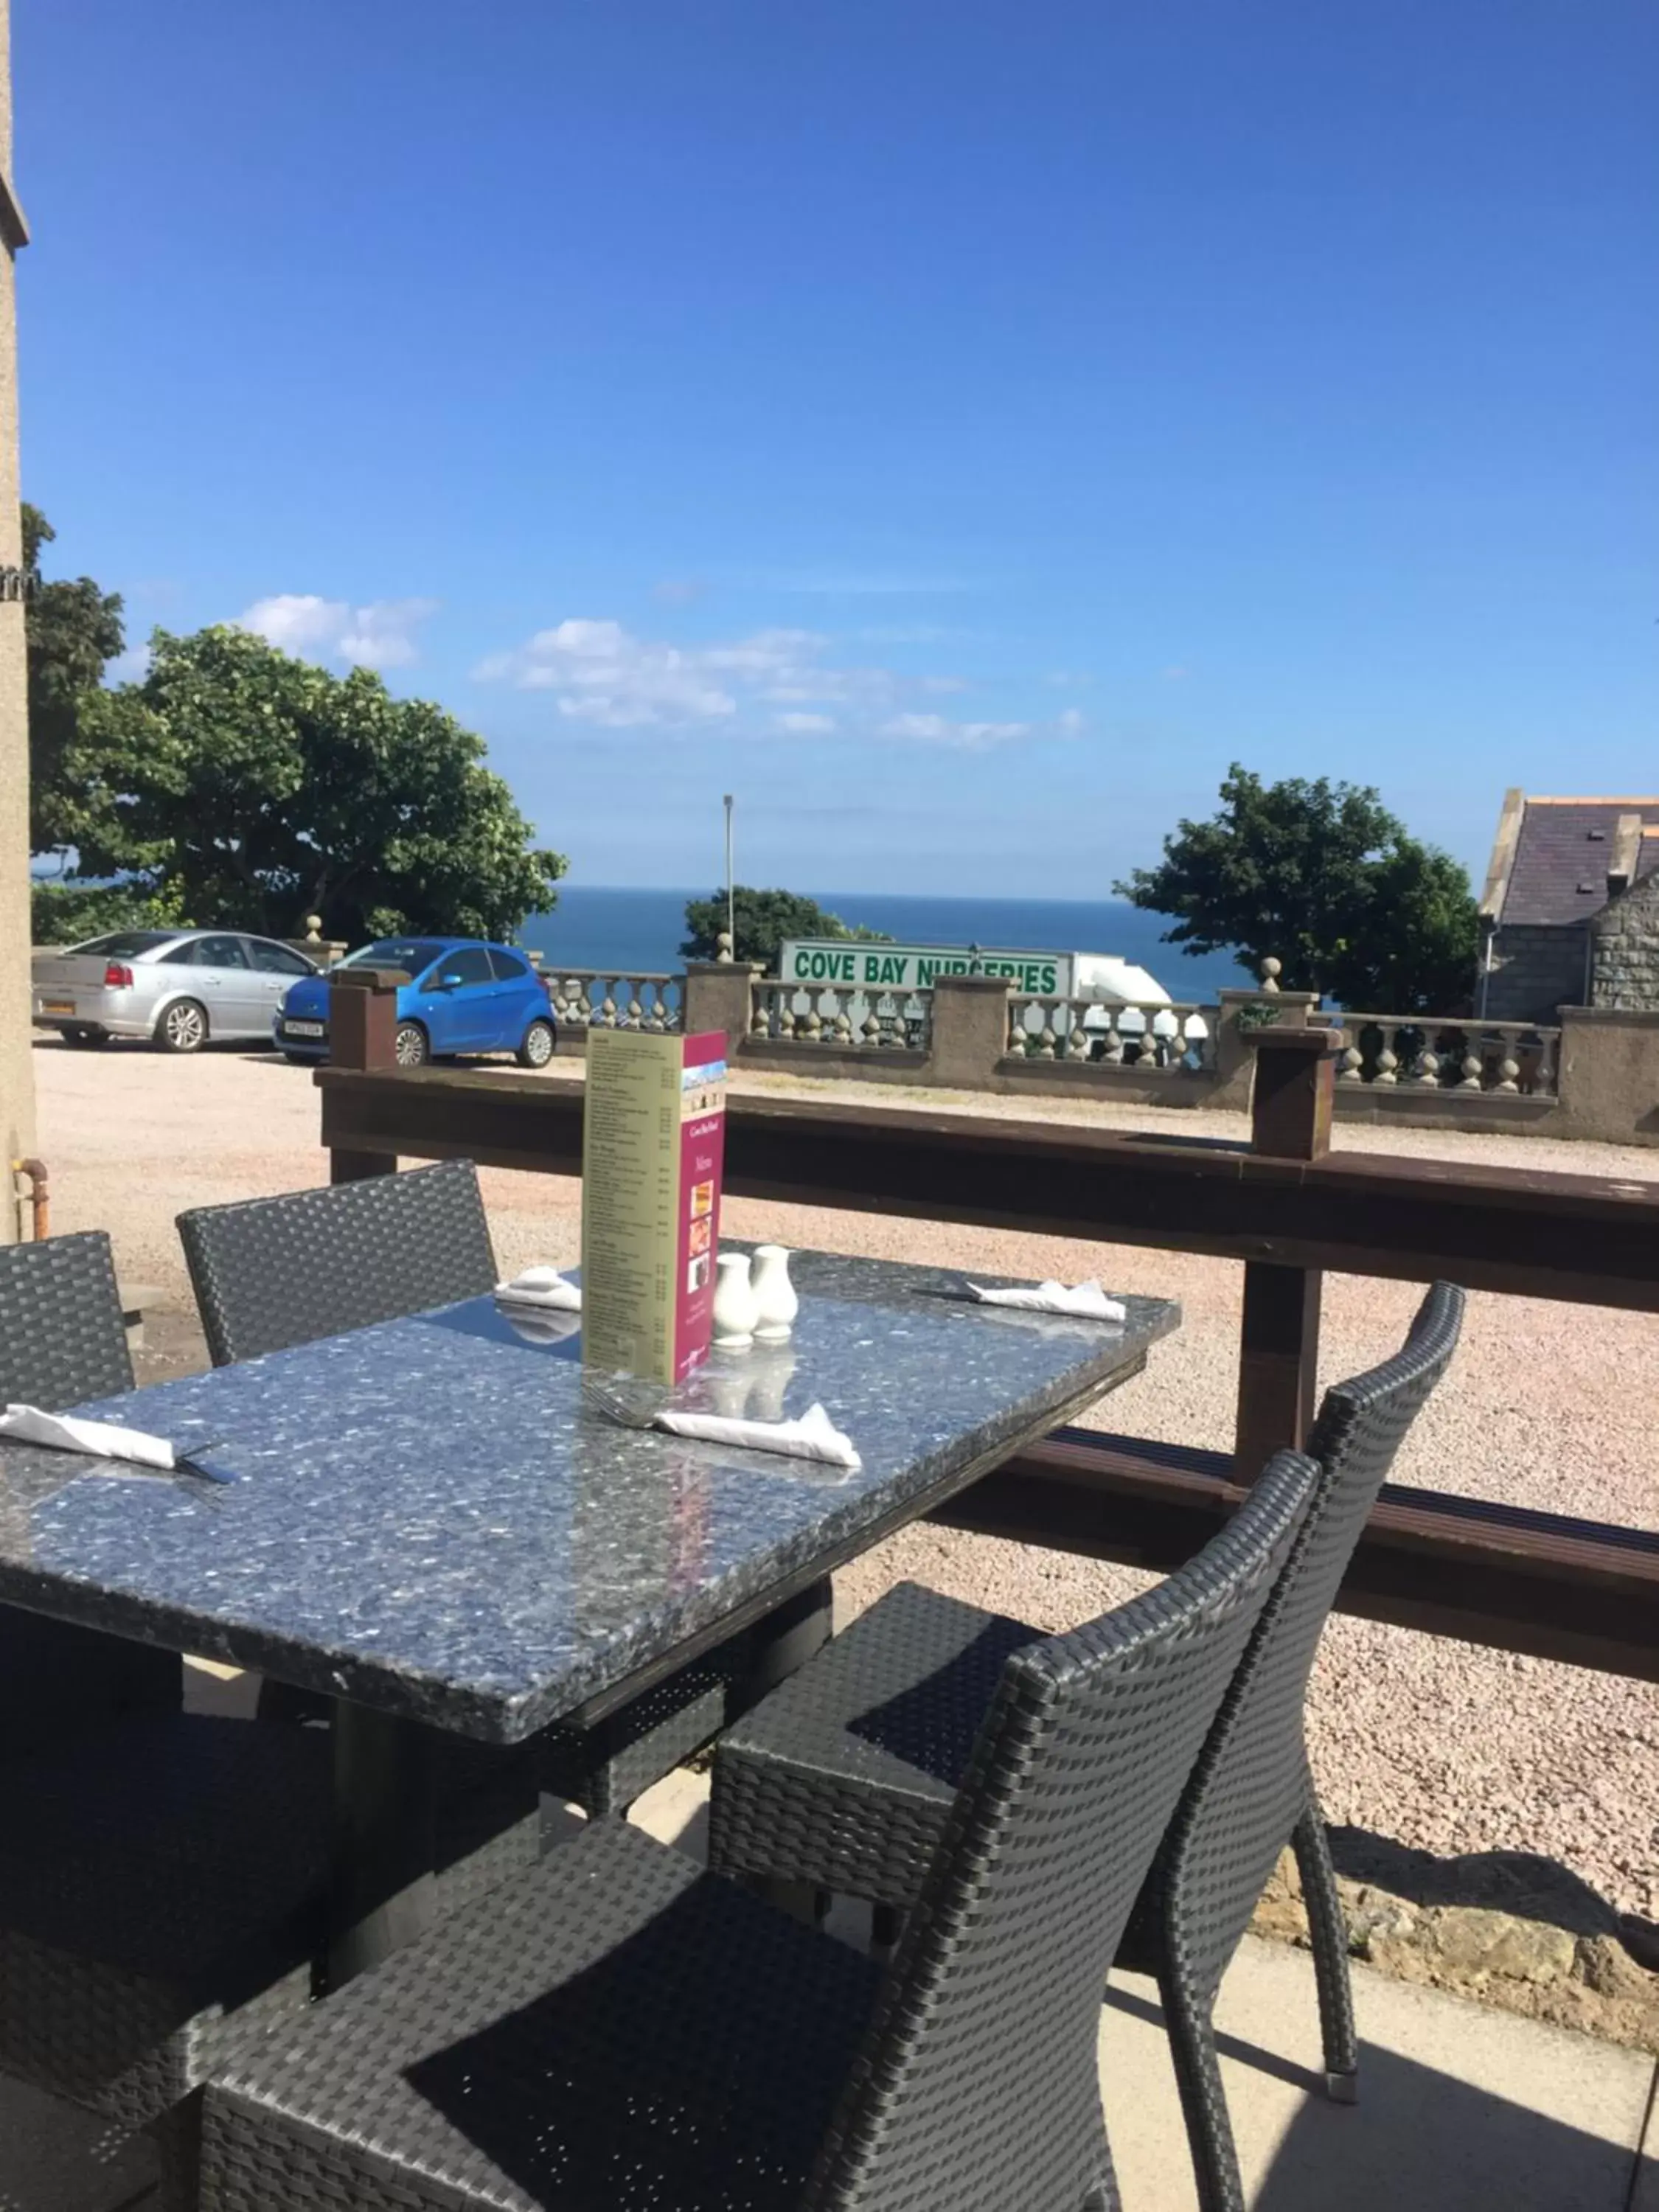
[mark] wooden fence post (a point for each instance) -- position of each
(1290, 1119)
(363, 1029)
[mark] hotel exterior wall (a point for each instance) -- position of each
(17, 1077)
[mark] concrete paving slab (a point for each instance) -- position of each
(1461, 2108)
(56, 2158)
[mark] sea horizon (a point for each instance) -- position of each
(629, 929)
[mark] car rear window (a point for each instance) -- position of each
(125, 943)
(508, 968)
(413, 953)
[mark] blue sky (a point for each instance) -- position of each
(959, 429)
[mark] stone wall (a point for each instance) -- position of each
(16, 1074)
(1536, 968)
(1625, 950)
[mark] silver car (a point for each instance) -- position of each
(177, 986)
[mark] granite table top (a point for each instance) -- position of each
(426, 1516)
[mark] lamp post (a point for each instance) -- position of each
(731, 893)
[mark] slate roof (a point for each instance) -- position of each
(1561, 857)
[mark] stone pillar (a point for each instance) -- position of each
(720, 995)
(970, 1031)
(1235, 1042)
(1609, 1073)
(17, 1070)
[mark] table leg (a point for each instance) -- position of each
(384, 1847)
(785, 1640)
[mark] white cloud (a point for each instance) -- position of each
(601, 672)
(378, 635)
(1072, 723)
(128, 667)
(967, 737)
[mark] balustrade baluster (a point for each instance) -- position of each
(1388, 1063)
(1351, 1069)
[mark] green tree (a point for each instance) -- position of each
(251, 789)
(765, 920)
(72, 629)
(65, 912)
(1322, 877)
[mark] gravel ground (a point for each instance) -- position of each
(1442, 1745)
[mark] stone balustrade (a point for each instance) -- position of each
(603, 999)
(796, 1014)
(1141, 1034)
(1461, 1058)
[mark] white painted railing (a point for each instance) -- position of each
(856, 1021)
(606, 999)
(1462, 1058)
(1084, 1030)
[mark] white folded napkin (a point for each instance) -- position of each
(1086, 1300)
(814, 1436)
(103, 1439)
(541, 1286)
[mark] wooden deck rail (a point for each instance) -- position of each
(1534, 1582)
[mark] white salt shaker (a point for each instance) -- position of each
(774, 1294)
(736, 1309)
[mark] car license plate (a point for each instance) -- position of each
(304, 1029)
(58, 1006)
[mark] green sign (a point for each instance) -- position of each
(823, 962)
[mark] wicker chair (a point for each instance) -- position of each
(273, 1272)
(619, 2030)
(62, 1340)
(844, 1779)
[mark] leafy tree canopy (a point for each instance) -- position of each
(765, 920)
(67, 912)
(1323, 878)
(251, 789)
(72, 629)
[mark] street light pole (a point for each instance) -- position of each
(731, 893)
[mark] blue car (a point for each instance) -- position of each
(464, 996)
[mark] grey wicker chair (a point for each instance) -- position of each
(153, 1864)
(62, 1340)
(620, 2031)
(844, 1779)
(273, 1272)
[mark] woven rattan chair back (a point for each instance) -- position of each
(978, 2086)
(275, 1272)
(1250, 1786)
(62, 1337)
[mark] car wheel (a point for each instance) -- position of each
(410, 1046)
(182, 1027)
(86, 1036)
(537, 1046)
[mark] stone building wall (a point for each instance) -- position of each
(16, 1076)
(1625, 950)
(1536, 968)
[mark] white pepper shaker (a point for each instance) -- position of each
(736, 1310)
(775, 1301)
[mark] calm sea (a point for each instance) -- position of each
(596, 927)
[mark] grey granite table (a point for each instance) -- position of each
(428, 1522)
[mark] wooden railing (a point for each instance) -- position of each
(1283, 1206)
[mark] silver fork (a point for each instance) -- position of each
(630, 1403)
